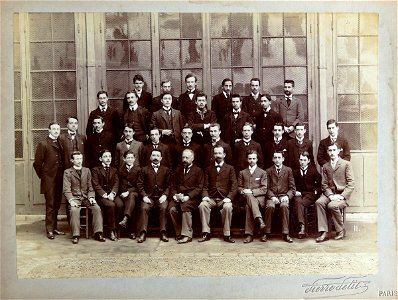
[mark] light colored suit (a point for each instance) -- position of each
(122, 147)
(291, 114)
(160, 120)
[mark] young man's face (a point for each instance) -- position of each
(166, 87)
(155, 136)
(247, 132)
(54, 130)
(300, 131)
(191, 83)
(201, 102)
(98, 124)
(214, 132)
(304, 161)
(288, 89)
(167, 100)
(129, 159)
(219, 154)
(102, 100)
(252, 159)
(187, 158)
(187, 134)
(106, 158)
(333, 151)
(77, 160)
(131, 99)
(227, 87)
(278, 159)
(139, 84)
(278, 131)
(128, 133)
(156, 157)
(236, 103)
(72, 124)
(265, 103)
(255, 86)
(333, 130)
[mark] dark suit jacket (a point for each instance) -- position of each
(269, 149)
(128, 179)
(257, 181)
(48, 164)
(240, 154)
(190, 184)
(99, 181)
(291, 115)
(186, 105)
(200, 135)
(146, 154)
(265, 125)
(111, 118)
(159, 120)
(145, 100)
(121, 148)
(323, 156)
(97, 142)
(176, 154)
(157, 103)
(78, 187)
(311, 182)
(338, 181)
(231, 128)
(220, 185)
(209, 154)
(141, 122)
(280, 184)
(293, 152)
(221, 105)
(68, 145)
(154, 184)
(252, 107)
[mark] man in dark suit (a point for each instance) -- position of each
(334, 137)
(128, 144)
(153, 185)
(144, 97)
(297, 146)
(200, 120)
(219, 191)
(308, 188)
(186, 189)
(109, 115)
(154, 135)
(251, 103)
(221, 103)
(252, 186)
(166, 88)
(79, 192)
(277, 144)
(337, 186)
(208, 149)
(71, 141)
(49, 168)
(97, 142)
(186, 100)
(290, 109)
(128, 176)
(105, 181)
(169, 121)
(281, 189)
(187, 143)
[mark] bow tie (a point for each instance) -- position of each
(247, 143)
(235, 112)
(54, 141)
(72, 133)
(128, 142)
(186, 144)
(191, 92)
(155, 166)
(167, 111)
(106, 168)
(288, 97)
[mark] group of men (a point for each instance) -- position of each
(177, 155)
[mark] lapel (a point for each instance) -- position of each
(124, 146)
(52, 144)
(190, 173)
(74, 173)
(284, 104)
(102, 171)
(338, 164)
(222, 169)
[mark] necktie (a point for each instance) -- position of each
(79, 172)
(155, 146)
(186, 170)
(333, 140)
(236, 113)
(186, 145)
(247, 143)
(218, 168)
(278, 170)
(288, 100)
(102, 109)
(107, 175)
(155, 168)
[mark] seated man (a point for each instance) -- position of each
(308, 188)
(153, 186)
(281, 189)
(78, 192)
(252, 185)
(185, 191)
(337, 185)
(219, 190)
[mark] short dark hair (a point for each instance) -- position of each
(164, 81)
(167, 93)
(130, 92)
(268, 96)
(129, 125)
(215, 125)
(247, 124)
(201, 94)
(154, 128)
(102, 92)
(251, 151)
(72, 117)
(334, 144)
(225, 80)
(186, 126)
(157, 150)
(53, 123)
(138, 77)
(128, 152)
(190, 75)
(280, 152)
(332, 121)
(306, 154)
(279, 124)
(289, 81)
(75, 153)
(235, 95)
(299, 124)
(219, 146)
(99, 117)
(255, 79)
(104, 151)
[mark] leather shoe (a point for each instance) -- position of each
(132, 236)
(205, 237)
(264, 238)
(163, 237)
(227, 238)
(323, 237)
(179, 237)
(112, 236)
(340, 235)
(287, 238)
(261, 224)
(142, 237)
(75, 240)
(301, 233)
(50, 235)
(123, 223)
(99, 237)
(57, 232)
(184, 239)
(248, 239)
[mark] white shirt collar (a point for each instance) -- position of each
(103, 107)
(76, 168)
(52, 137)
(252, 169)
(216, 141)
(225, 94)
(134, 107)
(220, 164)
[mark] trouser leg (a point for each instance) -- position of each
(269, 212)
(226, 216)
(321, 205)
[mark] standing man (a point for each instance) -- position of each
(71, 141)
(201, 119)
(186, 188)
(144, 97)
(49, 168)
(251, 103)
(109, 115)
(221, 103)
(79, 192)
(219, 191)
(252, 185)
(128, 144)
(157, 101)
(208, 149)
(334, 137)
(277, 144)
(187, 143)
(186, 100)
(337, 186)
(290, 109)
(154, 135)
(281, 189)
(153, 186)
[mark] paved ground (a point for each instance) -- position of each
(39, 257)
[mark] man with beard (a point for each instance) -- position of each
(154, 135)
(187, 143)
(208, 149)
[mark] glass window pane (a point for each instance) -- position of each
(191, 53)
(117, 55)
(368, 24)
(191, 26)
(242, 25)
(242, 52)
(63, 27)
(18, 114)
(351, 131)
(170, 54)
(147, 75)
(347, 24)
(17, 86)
(220, 53)
(273, 80)
(41, 55)
(299, 75)
(42, 113)
(15, 25)
(369, 136)
(117, 83)
(217, 76)
(42, 85)
(64, 109)
(241, 79)
(139, 26)
(18, 144)
(169, 25)
(368, 76)
(369, 107)
(368, 50)
(348, 108)
(37, 137)
(175, 77)
(220, 25)
(197, 73)
(295, 51)
(65, 85)
(295, 24)
(115, 26)
(272, 24)
(347, 80)
(271, 52)
(39, 25)
(17, 57)
(347, 50)
(140, 55)
(64, 56)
